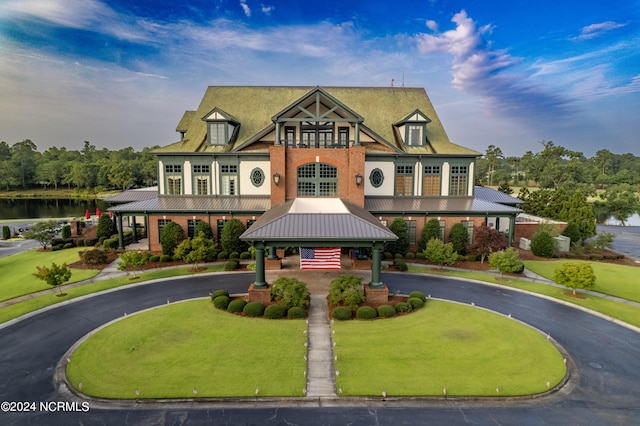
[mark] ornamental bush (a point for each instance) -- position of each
(341, 313)
(253, 309)
(106, 227)
(387, 255)
(6, 232)
(155, 258)
(542, 244)
(66, 231)
(403, 307)
(205, 228)
(575, 275)
(111, 243)
(221, 302)
(386, 311)
(459, 237)
(94, 257)
(400, 265)
(231, 265)
(236, 306)
(400, 228)
(165, 258)
(410, 255)
(415, 302)
(171, 236)
(274, 311)
(573, 232)
(234, 255)
(217, 293)
(230, 236)
(419, 295)
(245, 255)
(430, 231)
(290, 292)
(366, 312)
(420, 255)
(223, 255)
(440, 253)
(507, 261)
(346, 290)
(296, 312)
(67, 246)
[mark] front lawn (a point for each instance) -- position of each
(466, 350)
(615, 280)
(17, 271)
(170, 351)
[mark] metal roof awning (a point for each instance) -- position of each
(318, 222)
(190, 205)
(450, 206)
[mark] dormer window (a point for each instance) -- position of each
(413, 128)
(415, 134)
(222, 128)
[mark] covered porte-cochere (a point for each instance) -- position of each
(317, 223)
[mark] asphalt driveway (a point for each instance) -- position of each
(607, 357)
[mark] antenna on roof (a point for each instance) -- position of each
(392, 82)
(403, 80)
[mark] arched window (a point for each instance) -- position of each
(317, 180)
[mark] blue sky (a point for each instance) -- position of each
(505, 72)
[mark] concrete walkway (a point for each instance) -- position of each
(320, 371)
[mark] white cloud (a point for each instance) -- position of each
(267, 9)
(245, 8)
(432, 25)
(595, 30)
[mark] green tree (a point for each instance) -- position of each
(604, 240)
(230, 237)
(399, 227)
(132, 261)
(42, 232)
(23, 158)
(493, 155)
(542, 244)
(577, 210)
(575, 275)
(573, 232)
(196, 250)
(440, 253)
(505, 188)
(622, 200)
(55, 275)
(205, 228)
(430, 231)
(507, 261)
(459, 238)
(106, 227)
(171, 236)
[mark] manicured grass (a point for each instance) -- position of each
(615, 280)
(17, 271)
(624, 312)
(30, 305)
(169, 351)
(466, 350)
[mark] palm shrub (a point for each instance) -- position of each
(274, 311)
(440, 253)
(236, 305)
(230, 237)
(366, 312)
(290, 292)
(347, 290)
(507, 261)
(171, 236)
(430, 231)
(542, 244)
(459, 237)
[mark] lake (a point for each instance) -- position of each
(31, 208)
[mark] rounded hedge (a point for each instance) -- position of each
(231, 265)
(236, 306)
(223, 255)
(419, 295)
(386, 311)
(403, 307)
(253, 309)
(420, 255)
(410, 255)
(221, 302)
(366, 312)
(400, 265)
(217, 293)
(165, 258)
(341, 313)
(155, 258)
(234, 255)
(415, 302)
(274, 311)
(296, 312)
(245, 255)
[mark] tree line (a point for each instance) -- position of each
(22, 166)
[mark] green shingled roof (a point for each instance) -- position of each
(255, 106)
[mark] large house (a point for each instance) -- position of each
(314, 166)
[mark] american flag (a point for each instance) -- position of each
(320, 258)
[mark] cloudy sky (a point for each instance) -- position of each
(510, 73)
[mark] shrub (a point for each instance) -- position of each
(430, 231)
(290, 292)
(400, 228)
(6, 232)
(171, 236)
(234, 255)
(410, 255)
(223, 255)
(603, 240)
(155, 258)
(106, 227)
(420, 255)
(253, 309)
(56, 247)
(221, 302)
(245, 255)
(205, 228)
(387, 255)
(403, 307)
(573, 232)
(274, 311)
(366, 312)
(507, 261)
(90, 242)
(341, 313)
(440, 253)
(231, 265)
(217, 293)
(398, 256)
(236, 306)
(182, 250)
(420, 295)
(400, 265)
(111, 243)
(487, 240)
(459, 237)
(165, 258)
(575, 275)
(68, 245)
(296, 312)
(80, 242)
(347, 290)
(415, 303)
(230, 236)
(66, 231)
(386, 311)
(94, 257)
(542, 244)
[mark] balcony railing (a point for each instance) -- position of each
(315, 144)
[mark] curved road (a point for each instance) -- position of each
(607, 357)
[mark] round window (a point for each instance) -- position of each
(257, 177)
(376, 178)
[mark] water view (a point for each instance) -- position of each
(32, 208)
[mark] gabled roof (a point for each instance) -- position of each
(254, 107)
(490, 194)
(328, 220)
(185, 121)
